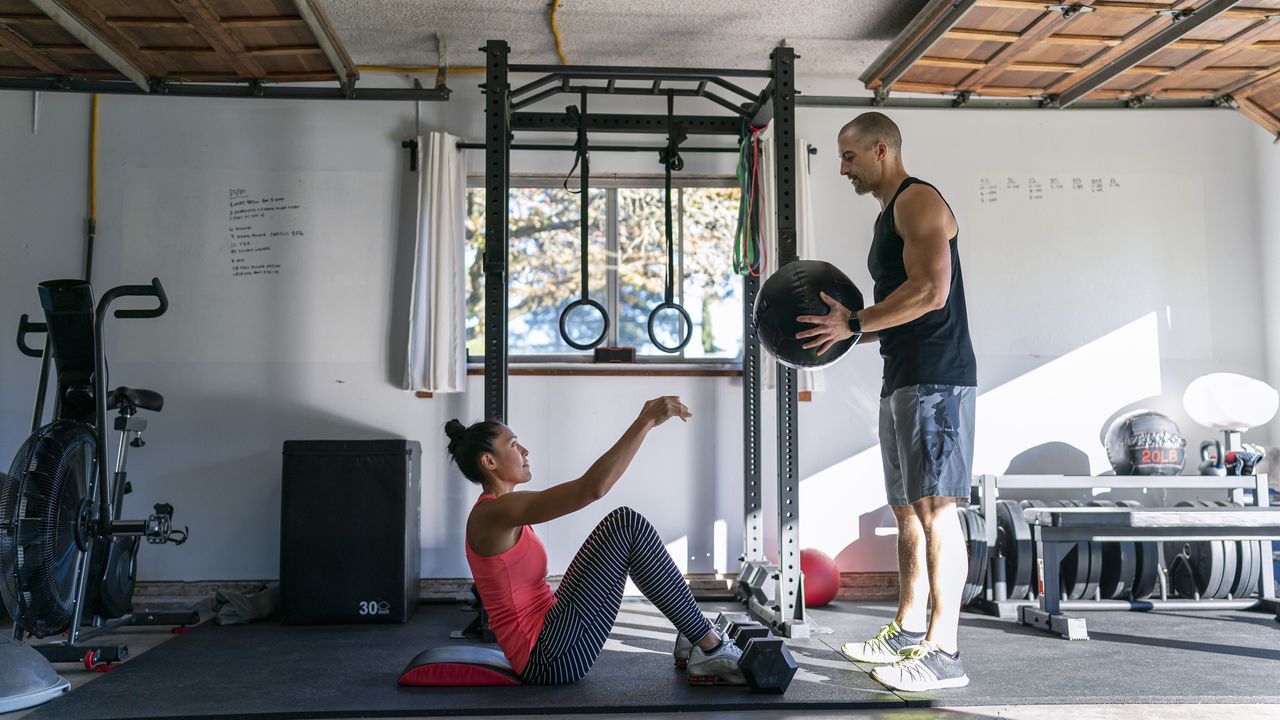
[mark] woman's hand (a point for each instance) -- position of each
(659, 410)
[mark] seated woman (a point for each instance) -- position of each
(555, 638)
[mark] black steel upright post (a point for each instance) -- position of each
(788, 601)
(752, 499)
(497, 170)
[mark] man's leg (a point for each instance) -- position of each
(948, 567)
(913, 580)
(936, 468)
(908, 625)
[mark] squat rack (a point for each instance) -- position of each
(773, 593)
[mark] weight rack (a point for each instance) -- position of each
(995, 595)
(773, 592)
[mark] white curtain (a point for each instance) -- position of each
(436, 359)
(806, 246)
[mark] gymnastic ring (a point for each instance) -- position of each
(564, 331)
(688, 326)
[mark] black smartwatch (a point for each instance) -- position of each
(855, 326)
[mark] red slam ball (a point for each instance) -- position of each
(821, 577)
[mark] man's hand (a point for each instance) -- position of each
(830, 328)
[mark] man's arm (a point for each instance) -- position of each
(926, 226)
(925, 223)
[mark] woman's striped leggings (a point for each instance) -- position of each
(587, 602)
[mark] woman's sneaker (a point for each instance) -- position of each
(885, 647)
(683, 649)
(923, 667)
(716, 668)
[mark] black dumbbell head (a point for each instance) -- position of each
(768, 665)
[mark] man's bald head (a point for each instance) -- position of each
(871, 128)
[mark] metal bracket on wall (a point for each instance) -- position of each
(881, 94)
(412, 145)
(1137, 101)
(1069, 11)
(962, 98)
(1226, 101)
(1176, 15)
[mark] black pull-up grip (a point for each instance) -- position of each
(671, 160)
(582, 155)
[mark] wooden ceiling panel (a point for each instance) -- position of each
(259, 36)
(1173, 57)
(1061, 53)
(242, 8)
(994, 18)
(153, 36)
(1223, 28)
(1251, 56)
(274, 64)
(42, 33)
(1025, 79)
(967, 49)
(935, 75)
(1105, 23)
(1022, 45)
(208, 40)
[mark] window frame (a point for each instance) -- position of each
(612, 183)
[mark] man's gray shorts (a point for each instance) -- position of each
(926, 442)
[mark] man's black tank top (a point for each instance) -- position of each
(934, 348)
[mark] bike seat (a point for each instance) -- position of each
(136, 398)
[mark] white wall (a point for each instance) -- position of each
(214, 451)
(1266, 190)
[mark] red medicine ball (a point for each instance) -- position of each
(821, 577)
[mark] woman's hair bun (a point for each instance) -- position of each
(454, 428)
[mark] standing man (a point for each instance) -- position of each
(926, 402)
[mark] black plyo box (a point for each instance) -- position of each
(349, 519)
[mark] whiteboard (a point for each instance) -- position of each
(258, 266)
(1060, 259)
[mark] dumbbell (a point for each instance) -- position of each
(741, 633)
(725, 619)
(766, 662)
(768, 665)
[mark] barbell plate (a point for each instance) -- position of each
(1147, 563)
(1119, 563)
(1014, 541)
(972, 551)
(1244, 560)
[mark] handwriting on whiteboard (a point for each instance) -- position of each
(257, 224)
(1039, 187)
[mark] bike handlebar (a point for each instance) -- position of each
(26, 327)
(155, 289)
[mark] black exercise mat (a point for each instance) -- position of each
(271, 671)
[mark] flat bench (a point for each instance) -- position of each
(1056, 530)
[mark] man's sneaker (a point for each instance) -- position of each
(717, 668)
(682, 651)
(923, 667)
(885, 647)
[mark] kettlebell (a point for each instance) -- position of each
(1212, 464)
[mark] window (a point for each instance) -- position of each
(627, 256)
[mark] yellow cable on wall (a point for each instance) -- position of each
(555, 32)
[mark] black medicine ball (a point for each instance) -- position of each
(1144, 442)
(794, 290)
